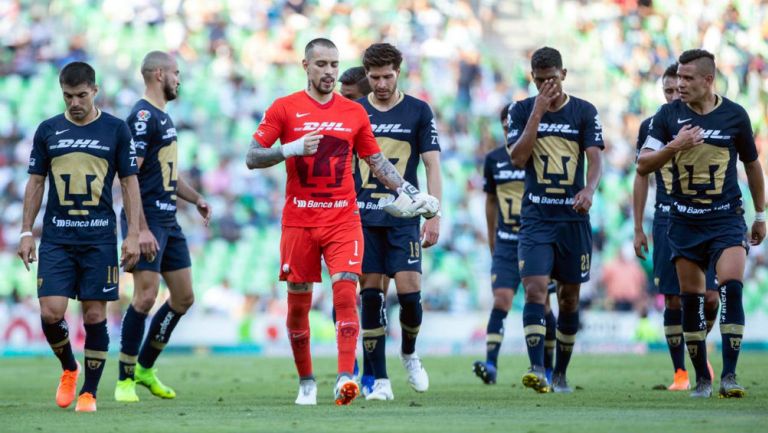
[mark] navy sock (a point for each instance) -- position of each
(495, 335)
(96, 347)
(410, 320)
(131, 334)
(160, 330)
(695, 333)
(567, 326)
(57, 335)
(550, 339)
(534, 331)
(374, 323)
(731, 324)
(673, 331)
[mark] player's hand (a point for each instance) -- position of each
(148, 245)
(410, 202)
(205, 211)
(129, 254)
(582, 202)
(641, 244)
(430, 232)
(548, 93)
(311, 142)
(758, 233)
(27, 250)
(688, 137)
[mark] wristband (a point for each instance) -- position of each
(760, 217)
(409, 189)
(294, 148)
(22, 235)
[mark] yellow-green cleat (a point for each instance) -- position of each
(148, 378)
(125, 391)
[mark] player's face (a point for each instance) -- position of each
(171, 82)
(322, 68)
(669, 85)
(540, 76)
(692, 83)
(383, 81)
(79, 100)
(351, 91)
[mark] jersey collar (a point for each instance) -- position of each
(98, 114)
(372, 99)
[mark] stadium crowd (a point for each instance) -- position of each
(237, 56)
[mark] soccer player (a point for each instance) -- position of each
(665, 276)
(549, 135)
(703, 134)
(405, 130)
(163, 245)
(503, 186)
(318, 131)
(354, 83)
(80, 151)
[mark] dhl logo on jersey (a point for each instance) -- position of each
(389, 128)
(714, 134)
(563, 128)
(67, 143)
(323, 126)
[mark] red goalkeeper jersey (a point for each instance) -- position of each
(320, 189)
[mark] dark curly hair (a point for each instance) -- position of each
(382, 54)
(546, 57)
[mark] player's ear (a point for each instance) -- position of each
(305, 64)
(563, 73)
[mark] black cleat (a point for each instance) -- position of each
(486, 372)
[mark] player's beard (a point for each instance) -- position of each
(384, 95)
(169, 92)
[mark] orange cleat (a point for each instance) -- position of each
(86, 403)
(346, 391)
(681, 382)
(65, 393)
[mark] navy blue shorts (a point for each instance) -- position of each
(389, 250)
(173, 253)
(664, 272)
(704, 243)
(84, 272)
(562, 250)
(505, 273)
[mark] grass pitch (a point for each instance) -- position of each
(248, 394)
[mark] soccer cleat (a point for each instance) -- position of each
(125, 391)
(560, 384)
(536, 379)
(548, 374)
(703, 388)
(86, 403)
(307, 393)
(485, 371)
(345, 391)
(148, 378)
(366, 384)
(729, 388)
(382, 390)
(681, 382)
(417, 376)
(67, 389)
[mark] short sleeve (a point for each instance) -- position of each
(593, 129)
(658, 132)
(142, 126)
(642, 134)
(39, 160)
(125, 152)
(427, 131)
(517, 118)
(489, 183)
(745, 139)
(365, 143)
(271, 126)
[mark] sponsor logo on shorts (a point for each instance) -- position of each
(412, 261)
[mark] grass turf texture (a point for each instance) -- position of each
(239, 393)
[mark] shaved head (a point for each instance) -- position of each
(155, 60)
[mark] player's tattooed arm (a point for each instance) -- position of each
(261, 157)
(384, 171)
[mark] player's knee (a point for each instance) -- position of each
(94, 315)
(182, 303)
(568, 300)
(50, 315)
(536, 293)
(143, 301)
(502, 299)
(672, 302)
(712, 300)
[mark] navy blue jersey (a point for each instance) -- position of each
(403, 133)
(507, 182)
(81, 162)
(155, 138)
(663, 175)
(704, 183)
(555, 172)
